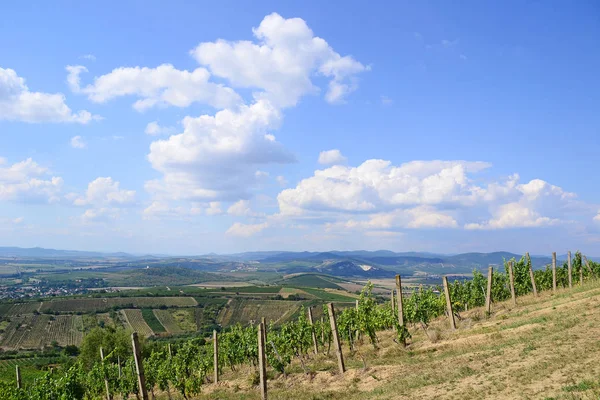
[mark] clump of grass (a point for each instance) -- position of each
(580, 387)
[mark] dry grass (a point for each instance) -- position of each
(545, 348)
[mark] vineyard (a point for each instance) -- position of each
(312, 347)
(136, 321)
(34, 331)
(104, 304)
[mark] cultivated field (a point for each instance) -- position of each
(136, 322)
(244, 311)
(102, 304)
(37, 331)
(10, 310)
(168, 321)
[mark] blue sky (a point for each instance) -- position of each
(191, 128)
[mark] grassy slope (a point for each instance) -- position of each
(545, 348)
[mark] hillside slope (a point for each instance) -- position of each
(543, 348)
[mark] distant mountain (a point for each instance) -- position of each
(349, 268)
(38, 252)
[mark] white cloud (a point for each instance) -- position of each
(214, 208)
(220, 157)
(154, 129)
(90, 57)
(377, 184)
(246, 230)
(597, 217)
(18, 103)
(160, 86)
(282, 62)
(281, 180)
(27, 181)
(18, 220)
(331, 157)
(103, 214)
(240, 208)
(104, 191)
(215, 157)
(423, 194)
(514, 215)
(77, 142)
(412, 218)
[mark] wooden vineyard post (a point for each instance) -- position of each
(393, 304)
(449, 303)
(139, 366)
(511, 279)
(399, 299)
(357, 333)
(262, 367)
(323, 330)
(263, 320)
(336, 338)
(488, 295)
(18, 372)
(170, 350)
(312, 331)
(531, 275)
(570, 270)
(108, 396)
(215, 356)
(554, 271)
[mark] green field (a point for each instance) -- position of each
(168, 321)
(328, 296)
(152, 321)
(311, 280)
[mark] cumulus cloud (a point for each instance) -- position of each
(377, 195)
(216, 157)
(104, 191)
(27, 181)
(412, 218)
(154, 129)
(377, 184)
(77, 142)
(18, 103)
(160, 86)
(514, 215)
(331, 157)
(282, 62)
(245, 230)
(220, 157)
(597, 217)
